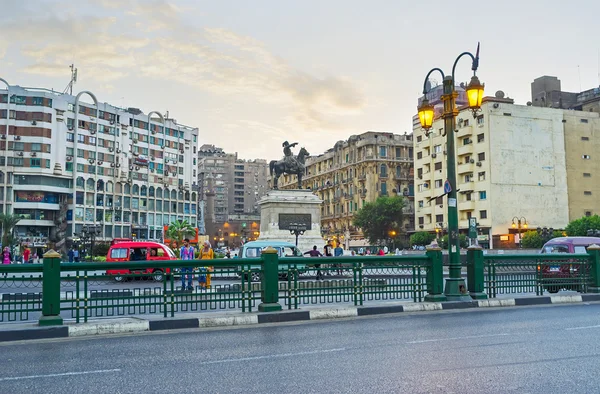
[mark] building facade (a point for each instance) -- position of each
(512, 161)
(66, 163)
(357, 171)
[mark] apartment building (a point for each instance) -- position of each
(68, 160)
(357, 171)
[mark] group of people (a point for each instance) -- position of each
(188, 252)
(26, 258)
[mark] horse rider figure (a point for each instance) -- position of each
(289, 158)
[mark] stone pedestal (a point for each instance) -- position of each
(277, 206)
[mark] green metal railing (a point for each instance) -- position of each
(21, 291)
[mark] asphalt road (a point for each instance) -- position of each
(521, 350)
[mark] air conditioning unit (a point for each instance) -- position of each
(20, 153)
(152, 170)
(33, 123)
(152, 158)
(112, 122)
(478, 164)
(471, 161)
(3, 136)
(111, 149)
(153, 132)
(135, 141)
(118, 165)
(33, 154)
(112, 164)
(92, 131)
(181, 151)
(17, 137)
(118, 150)
(91, 161)
(70, 128)
(136, 154)
(433, 155)
(445, 152)
(137, 168)
(425, 185)
(100, 163)
(131, 168)
(69, 158)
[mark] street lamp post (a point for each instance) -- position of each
(455, 288)
(518, 223)
(89, 232)
(297, 230)
(5, 177)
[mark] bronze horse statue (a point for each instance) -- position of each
(289, 165)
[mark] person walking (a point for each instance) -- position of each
(76, 255)
(187, 253)
(7, 257)
(205, 254)
(26, 255)
(71, 255)
(315, 253)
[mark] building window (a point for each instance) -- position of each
(466, 123)
(481, 176)
(69, 166)
(587, 193)
(419, 138)
(588, 213)
(481, 156)
(419, 155)
(70, 137)
(469, 214)
(383, 171)
(439, 218)
(437, 149)
(438, 183)
(482, 214)
(583, 120)
(439, 201)
(467, 196)
(36, 147)
(585, 157)
(468, 178)
(420, 203)
(480, 137)
(587, 175)
(36, 163)
(79, 152)
(382, 151)
(466, 141)
(383, 188)
(421, 220)
(482, 195)
(585, 138)
(480, 120)
(438, 166)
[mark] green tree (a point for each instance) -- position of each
(8, 223)
(580, 227)
(421, 238)
(379, 218)
(463, 241)
(180, 230)
(532, 240)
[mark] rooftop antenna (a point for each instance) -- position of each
(69, 87)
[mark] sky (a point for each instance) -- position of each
(252, 74)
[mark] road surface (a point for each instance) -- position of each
(521, 350)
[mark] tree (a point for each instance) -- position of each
(377, 219)
(8, 223)
(532, 240)
(421, 238)
(462, 238)
(180, 230)
(580, 227)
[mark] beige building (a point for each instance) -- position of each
(510, 162)
(355, 172)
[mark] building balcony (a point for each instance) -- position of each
(466, 205)
(465, 168)
(465, 150)
(464, 131)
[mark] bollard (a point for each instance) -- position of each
(270, 281)
(51, 290)
(435, 275)
(594, 251)
(475, 273)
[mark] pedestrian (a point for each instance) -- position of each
(71, 255)
(26, 255)
(338, 252)
(206, 254)
(36, 259)
(353, 253)
(381, 252)
(315, 253)
(76, 255)
(7, 257)
(187, 253)
(228, 254)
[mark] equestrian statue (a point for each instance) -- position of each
(289, 164)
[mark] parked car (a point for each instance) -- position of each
(139, 251)
(254, 249)
(565, 274)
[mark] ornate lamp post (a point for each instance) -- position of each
(297, 230)
(89, 232)
(518, 223)
(455, 288)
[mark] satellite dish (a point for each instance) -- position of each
(529, 103)
(499, 94)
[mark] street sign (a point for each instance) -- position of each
(447, 187)
(473, 228)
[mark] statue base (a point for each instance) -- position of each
(288, 203)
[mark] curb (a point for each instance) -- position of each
(134, 324)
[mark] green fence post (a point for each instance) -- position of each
(435, 275)
(594, 251)
(270, 281)
(475, 273)
(51, 290)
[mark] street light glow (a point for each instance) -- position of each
(426, 112)
(475, 93)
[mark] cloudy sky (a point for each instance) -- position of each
(250, 74)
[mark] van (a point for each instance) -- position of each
(138, 251)
(565, 274)
(254, 250)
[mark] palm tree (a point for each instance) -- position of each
(179, 230)
(8, 223)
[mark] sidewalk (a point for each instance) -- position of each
(26, 331)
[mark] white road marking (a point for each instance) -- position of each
(52, 375)
(581, 328)
(458, 338)
(233, 360)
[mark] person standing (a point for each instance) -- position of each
(205, 254)
(186, 253)
(76, 255)
(315, 253)
(71, 255)
(26, 255)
